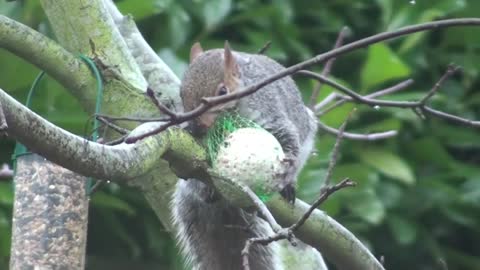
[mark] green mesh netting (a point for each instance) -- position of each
(225, 124)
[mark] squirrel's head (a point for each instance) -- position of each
(211, 73)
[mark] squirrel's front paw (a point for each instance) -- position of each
(287, 179)
(288, 193)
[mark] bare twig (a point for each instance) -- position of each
(359, 137)
(452, 118)
(265, 47)
(328, 67)
(325, 193)
(417, 106)
(96, 187)
(357, 97)
(387, 91)
(450, 71)
(287, 233)
(118, 140)
(133, 118)
(335, 151)
(327, 100)
(160, 106)
(118, 129)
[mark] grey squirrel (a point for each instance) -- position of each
(209, 228)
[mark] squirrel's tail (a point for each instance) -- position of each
(211, 233)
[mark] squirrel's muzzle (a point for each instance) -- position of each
(201, 124)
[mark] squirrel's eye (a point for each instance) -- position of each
(222, 90)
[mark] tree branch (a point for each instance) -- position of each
(47, 55)
(119, 163)
(73, 21)
(359, 137)
(159, 76)
(390, 90)
(417, 106)
(328, 67)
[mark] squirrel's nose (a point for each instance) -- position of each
(195, 128)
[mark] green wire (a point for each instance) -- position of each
(98, 105)
(20, 149)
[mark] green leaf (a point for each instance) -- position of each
(5, 234)
(143, 9)
(429, 150)
(107, 201)
(178, 24)
(366, 205)
(214, 11)
(387, 163)
(6, 194)
(381, 66)
(403, 230)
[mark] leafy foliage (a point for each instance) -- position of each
(418, 198)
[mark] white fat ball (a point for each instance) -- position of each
(251, 156)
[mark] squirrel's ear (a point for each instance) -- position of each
(231, 68)
(195, 51)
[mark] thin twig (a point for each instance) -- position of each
(357, 97)
(452, 118)
(387, 91)
(118, 140)
(417, 106)
(450, 71)
(287, 233)
(265, 47)
(327, 68)
(325, 193)
(117, 128)
(359, 137)
(133, 118)
(159, 105)
(335, 151)
(96, 187)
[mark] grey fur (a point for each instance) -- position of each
(200, 217)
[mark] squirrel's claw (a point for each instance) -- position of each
(288, 193)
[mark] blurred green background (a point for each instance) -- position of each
(418, 198)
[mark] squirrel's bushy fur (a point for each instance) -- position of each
(211, 232)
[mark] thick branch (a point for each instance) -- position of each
(86, 27)
(159, 76)
(322, 232)
(116, 163)
(47, 55)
